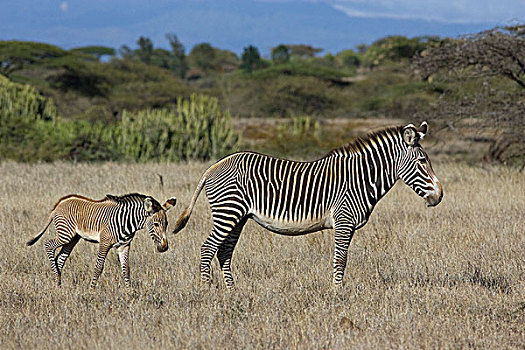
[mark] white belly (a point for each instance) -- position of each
(89, 235)
(293, 228)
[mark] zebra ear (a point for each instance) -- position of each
(170, 203)
(422, 131)
(148, 206)
(409, 134)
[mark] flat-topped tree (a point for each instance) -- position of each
(16, 55)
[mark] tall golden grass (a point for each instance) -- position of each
(452, 276)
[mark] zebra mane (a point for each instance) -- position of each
(361, 143)
(131, 197)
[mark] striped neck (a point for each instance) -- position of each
(378, 156)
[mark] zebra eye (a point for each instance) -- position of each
(422, 159)
(156, 224)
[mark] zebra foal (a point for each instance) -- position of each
(337, 191)
(111, 222)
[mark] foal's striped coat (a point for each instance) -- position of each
(111, 222)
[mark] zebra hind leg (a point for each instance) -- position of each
(225, 252)
(51, 246)
(223, 226)
(208, 250)
(64, 253)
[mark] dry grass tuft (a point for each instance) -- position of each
(450, 276)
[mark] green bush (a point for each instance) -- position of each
(24, 100)
(30, 130)
(195, 129)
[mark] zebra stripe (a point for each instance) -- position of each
(111, 222)
(289, 197)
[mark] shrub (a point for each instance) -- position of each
(195, 129)
(24, 100)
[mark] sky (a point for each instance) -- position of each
(234, 24)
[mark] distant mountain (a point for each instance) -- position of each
(228, 25)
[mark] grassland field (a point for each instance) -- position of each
(452, 276)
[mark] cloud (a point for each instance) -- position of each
(459, 11)
(63, 6)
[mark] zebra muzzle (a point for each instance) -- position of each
(435, 197)
(163, 246)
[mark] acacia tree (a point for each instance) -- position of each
(97, 52)
(498, 51)
(16, 55)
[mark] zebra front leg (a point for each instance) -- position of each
(51, 246)
(225, 252)
(344, 232)
(103, 250)
(123, 255)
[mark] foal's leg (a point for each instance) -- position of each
(103, 249)
(123, 255)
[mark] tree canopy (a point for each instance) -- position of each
(15, 55)
(280, 54)
(96, 51)
(499, 51)
(251, 59)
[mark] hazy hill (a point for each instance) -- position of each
(230, 25)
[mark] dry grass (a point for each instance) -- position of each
(446, 277)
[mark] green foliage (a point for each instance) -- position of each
(196, 129)
(348, 59)
(145, 50)
(251, 59)
(202, 56)
(303, 51)
(288, 96)
(95, 51)
(300, 136)
(178, 62)
(280, 54)
(81, 77)
(30, 129)
(24, 100)
(394, 48)
(302, 69)
(225, 61)
(15, 55)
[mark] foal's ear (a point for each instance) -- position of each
(148, 206)
(410, 134)
(422, 131)
(170, 203)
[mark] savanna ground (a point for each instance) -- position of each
(452, 276)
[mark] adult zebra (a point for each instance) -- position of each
(111, 222)
(288, 197)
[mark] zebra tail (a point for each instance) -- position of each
(185, 216)
(37, 237)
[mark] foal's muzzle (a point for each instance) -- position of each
(163, 246)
